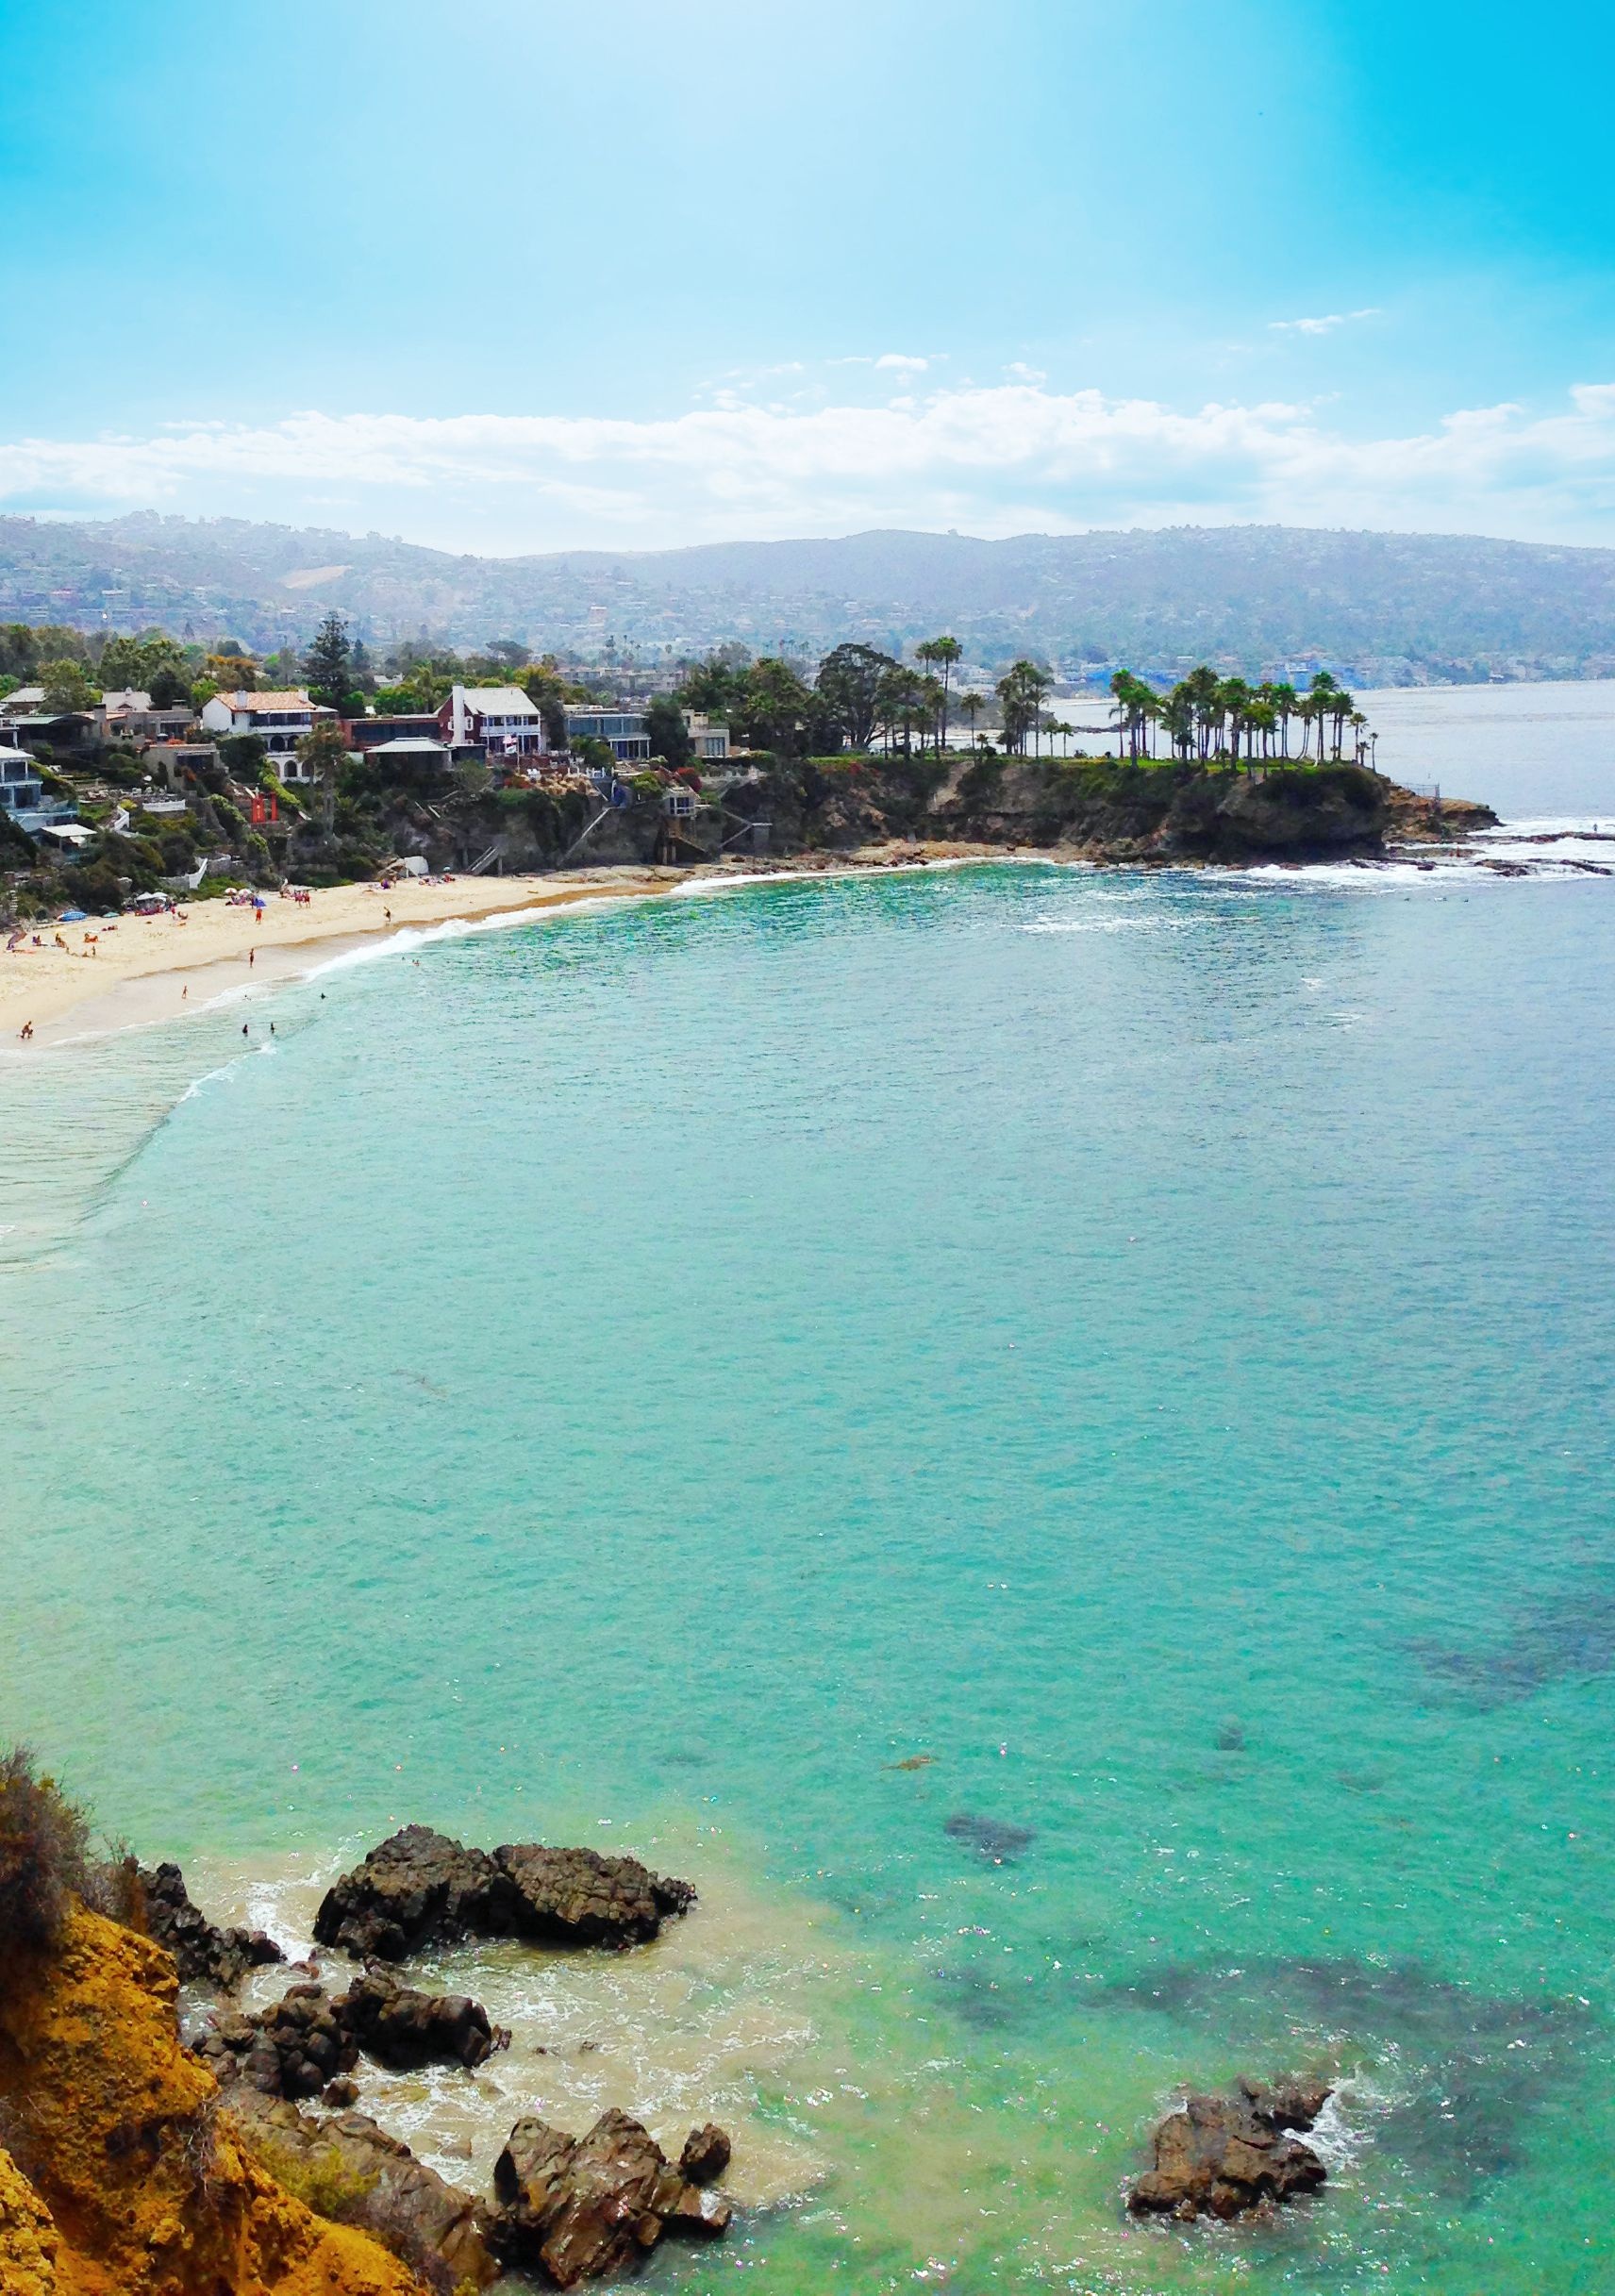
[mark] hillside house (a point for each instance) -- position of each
(500, 721)
(623, 730)
(279, 720)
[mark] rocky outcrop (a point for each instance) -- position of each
(306, 2041)
(421, 1889)
(119, 2133)
(294, 2048)
(203, 1954)
(1233, 2156)
(576, 1897)
(29, 2243)
(416, 1888)
(705, 2154)
(358, 2175)
(584, 2207)
(401, 2027)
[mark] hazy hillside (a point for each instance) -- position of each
(1386, 606)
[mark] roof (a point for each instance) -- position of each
(265, 701)
(9, 757)
(23, 697)
(408, 745)
(127, 697)
(500, 702)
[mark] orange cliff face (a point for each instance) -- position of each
(124, 2178)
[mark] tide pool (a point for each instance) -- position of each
(1042, 1435)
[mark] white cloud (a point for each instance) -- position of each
(1023, 373)
(995, 459)
(898, 362)
(1325, 326)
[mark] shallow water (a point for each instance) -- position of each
(1141, 1343)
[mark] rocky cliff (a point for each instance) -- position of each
(122, 2174)
(1095, 809)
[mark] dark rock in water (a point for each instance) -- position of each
(583, 2207)
(203, 1954)
(705, 2154)
(997, 1840)
(421, 1889)
(368, 2179)
(301, 2045)
(292, 2049)
(1231, 1736)
(415, 1888)
(576, 1897)
(1233, 2156)
(398, 2026)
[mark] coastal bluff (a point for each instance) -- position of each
(120, 2174)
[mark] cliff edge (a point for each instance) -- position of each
(122, 2175)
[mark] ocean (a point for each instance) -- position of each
(1042, 1435)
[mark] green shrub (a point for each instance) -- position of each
(43, 1854)
(320, 2179)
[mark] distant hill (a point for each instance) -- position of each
(1389, 607)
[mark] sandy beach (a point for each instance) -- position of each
(106, 974)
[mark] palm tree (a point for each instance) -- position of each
(941, 653)
(1284, 701)
(970, 703)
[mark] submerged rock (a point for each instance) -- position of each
(1233, 2156)
(203, 1954)
(420, 1888)
(582, 2207)
(995, 1838)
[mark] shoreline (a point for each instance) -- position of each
(163, 971)
(158, 970)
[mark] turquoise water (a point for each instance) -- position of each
(1143, 1344)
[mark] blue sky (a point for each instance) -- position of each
(506, 277)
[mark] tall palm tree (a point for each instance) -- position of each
(941, 654)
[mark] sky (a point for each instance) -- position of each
(526, 274)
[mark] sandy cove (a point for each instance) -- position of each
(119, 974)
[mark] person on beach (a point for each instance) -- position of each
(252, 956)
(243, 1028)
(26, 1031)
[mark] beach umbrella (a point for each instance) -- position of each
(258, 901)
(70, 915)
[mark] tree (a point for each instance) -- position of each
(510, 651)
(670, 736)
(243, 757)
(972, 704)
(66, 684)
(135, 664)
(849, 684)
(168, 689)
(327, 666)
(324, 749)
(1021, 690)
(772, 705)
(714, 687)
(941, 653)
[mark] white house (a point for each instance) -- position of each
(710, 743)
(501, 720)
(279, 720)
